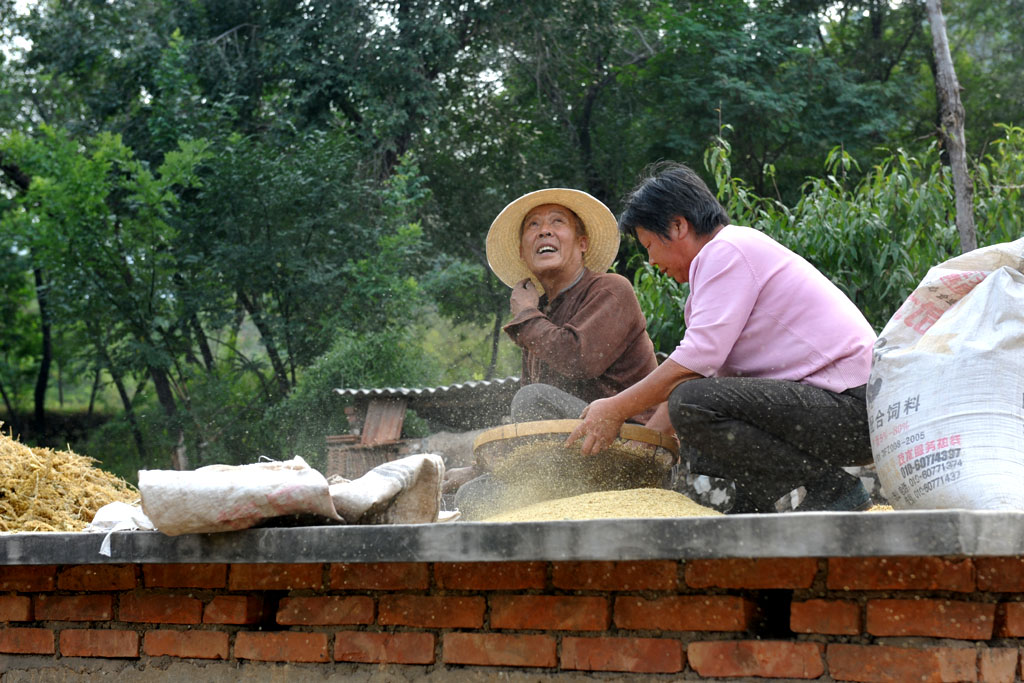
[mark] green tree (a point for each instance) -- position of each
(94, 222)
(988, 57)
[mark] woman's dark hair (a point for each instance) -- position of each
(668, 189)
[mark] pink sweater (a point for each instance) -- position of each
(756, 309)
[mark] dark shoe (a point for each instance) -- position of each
(836, 493)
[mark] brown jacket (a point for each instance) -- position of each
(591, 341)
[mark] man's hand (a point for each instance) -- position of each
(599, 428)
(524, 295)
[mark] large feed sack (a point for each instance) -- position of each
(231, 497)
(946, 394)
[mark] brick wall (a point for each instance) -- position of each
(845, 619)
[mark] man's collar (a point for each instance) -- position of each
(583, 271)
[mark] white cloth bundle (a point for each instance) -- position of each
(403, 491)
(231, 497)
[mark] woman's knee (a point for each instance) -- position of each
(692, 394)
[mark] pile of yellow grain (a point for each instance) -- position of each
(542, 467)
(609, 504)
(46, 490)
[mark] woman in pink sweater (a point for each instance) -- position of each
(766, 388)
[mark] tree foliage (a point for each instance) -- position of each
(214, 210)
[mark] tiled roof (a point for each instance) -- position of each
(471, 387)
(461, 406)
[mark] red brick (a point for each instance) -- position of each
(1000, 574)
(685, 613)
(550, 612)
(764, 658)
(15, 608)
(233, 609)
(93, 643)
(27, 641)
(281, 646)
(616, 576)
(160, 609)
(262, 577)
(185, 575)
(499, 649)
(997, 665)
(900, 573)
(386, 648)
(190, 644)
(384, 576)
(28, 578)
(933, 618)
(870, 663)
(769, 572)
(635, 655)
(97, 577)
(431, 611)
(324, 611)
(833, 617)
(1010, 620)
(74, 607)
(479, 576)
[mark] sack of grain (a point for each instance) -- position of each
(230, 497)
(945, 396)
(403, 491)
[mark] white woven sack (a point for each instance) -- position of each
(946, 394)
(403, 491)
(230, 497)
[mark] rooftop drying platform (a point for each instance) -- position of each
(821, 534)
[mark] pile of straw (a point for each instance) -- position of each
(46, 490)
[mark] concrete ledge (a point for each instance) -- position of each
(937, 533)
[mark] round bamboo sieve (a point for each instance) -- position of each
(534, 455)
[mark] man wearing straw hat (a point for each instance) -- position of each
(580, 328)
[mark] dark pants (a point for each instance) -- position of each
(545, 402)
(769, 436)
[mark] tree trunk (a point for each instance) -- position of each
(280, 372)
(179, 457)
(202, 342)
(46, 356)
(951, 128)
(122, 391)
(95, 390)
(129, 414)
(12, 415)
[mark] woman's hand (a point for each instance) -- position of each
(601, 422)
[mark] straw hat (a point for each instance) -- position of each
(503, 237)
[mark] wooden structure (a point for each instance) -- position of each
(374, 438)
